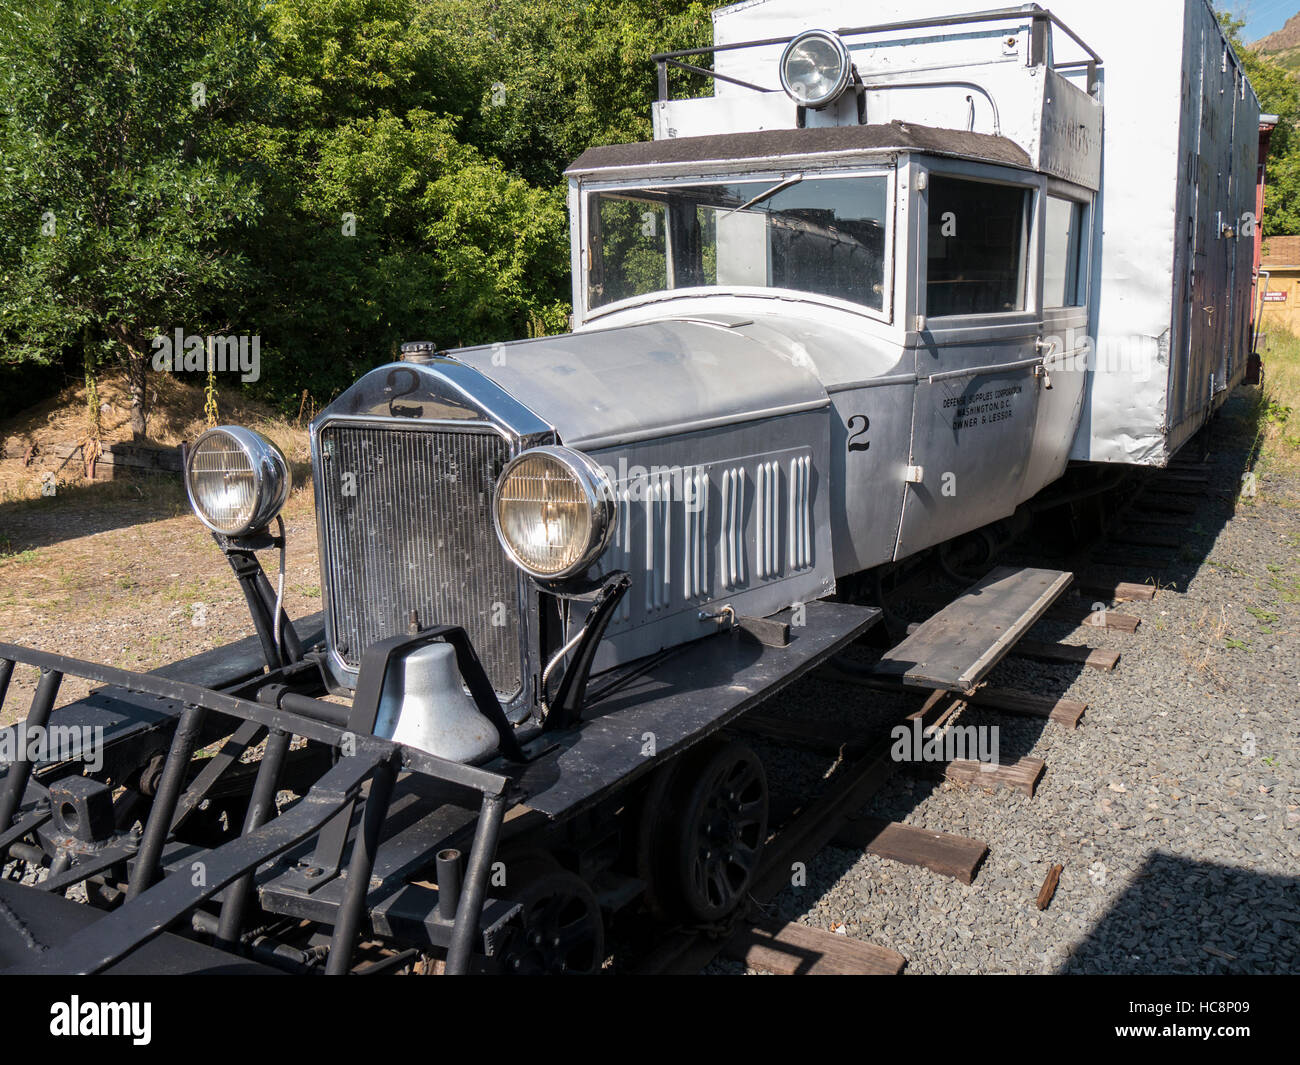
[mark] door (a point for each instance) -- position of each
(977, 354)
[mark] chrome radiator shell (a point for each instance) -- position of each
(426, 441)
(407, 526)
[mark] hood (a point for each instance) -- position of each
(605, 387)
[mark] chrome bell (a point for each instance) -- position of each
(424, 705)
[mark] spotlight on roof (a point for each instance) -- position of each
(816, 69)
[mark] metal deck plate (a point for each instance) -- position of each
(958, 647)
(237, 661)
(51, 920)
(690, 694)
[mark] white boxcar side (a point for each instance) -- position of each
(1173, 255)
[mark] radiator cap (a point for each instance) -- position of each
(424, 705)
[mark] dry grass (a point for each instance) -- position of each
(1277, 413)
(1212, 637)
(31, 441)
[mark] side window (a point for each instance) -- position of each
(1063, 261)
(631, 250)
(976, 247)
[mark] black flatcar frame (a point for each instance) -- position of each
(354, 852)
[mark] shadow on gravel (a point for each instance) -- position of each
(1183, 916)
(83, 510)
(1169, 521)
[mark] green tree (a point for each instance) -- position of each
(382, 224)
(1279, 94)
(362, 172)
(539, 83)
(117, 200)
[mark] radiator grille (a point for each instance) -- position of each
(406, 519)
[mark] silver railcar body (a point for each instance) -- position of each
(806, 342)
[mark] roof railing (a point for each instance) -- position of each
(1043, 21)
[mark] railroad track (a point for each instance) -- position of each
(864, 760)
(864, 764)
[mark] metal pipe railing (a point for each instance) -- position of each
(20, 770)
(148, 862)
(260, 809)
(154, 900)
(1034, 12)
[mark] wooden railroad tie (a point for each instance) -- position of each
(1022, 775)
(1141, 538)
(1169, 506)
(1167, 521)
(1118, 591)
(1191, 478)
(792, 949)
(1164, 503)
(1076, 654)
(806, 735)
(1153, 568)
(956, 856)
(1081, 612)
(1065, 712)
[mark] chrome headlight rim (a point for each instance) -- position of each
(272, 479)
(838, 86)
(598, 495)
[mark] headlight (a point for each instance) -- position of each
(554, 511)
(237, 480)
(815, 68)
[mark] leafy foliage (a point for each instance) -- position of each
(363, 172)
(117, 212)
(539, 83)
(1279, 94)
(441, 128)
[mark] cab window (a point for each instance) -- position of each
(976, 261)
(825, 236)
(1064, 256)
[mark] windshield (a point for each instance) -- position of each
(821, 235)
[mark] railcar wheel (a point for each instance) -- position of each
(655, 852)
(562, 931)
(966, 558)
(722, 828)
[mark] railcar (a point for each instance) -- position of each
(843, 309)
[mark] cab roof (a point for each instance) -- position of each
(770, 144)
